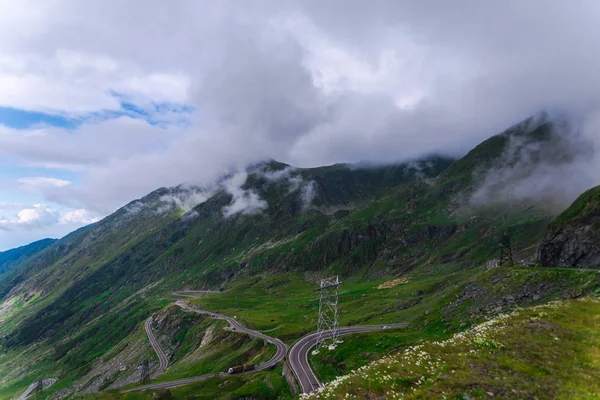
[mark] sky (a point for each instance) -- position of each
(103, 102)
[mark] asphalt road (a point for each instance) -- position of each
(281, 347)
(279, 354)
(46, 382)
(193, 293)
(298, 355)
(162, 359)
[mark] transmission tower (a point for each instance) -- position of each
(506, 255)
(39, 389)
(145, 375)
(328, 323)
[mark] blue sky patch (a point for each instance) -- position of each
(23, 119)
(158, 114)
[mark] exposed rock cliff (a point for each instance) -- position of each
(573, 239)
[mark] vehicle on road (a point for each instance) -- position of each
(240, 368)
(235, 369)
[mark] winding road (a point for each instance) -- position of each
(162, 359)
(279, 354)
(46, 383)
(193, 293)
(297, 355)
(281, 347)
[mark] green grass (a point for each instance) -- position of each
(447, 309)
(360, 349)
(286, 306)
(587, 203)
(549, 351)
(226, 349)
(265, 385)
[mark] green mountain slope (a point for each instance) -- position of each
(11, 258)
(88, 294)
(13, 261)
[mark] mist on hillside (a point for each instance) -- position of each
(550, 173)
(244, 200)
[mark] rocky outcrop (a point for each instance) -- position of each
(573, 239)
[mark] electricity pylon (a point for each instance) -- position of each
(328, 324)
(506, 255)
(145, 374)
(39, 389)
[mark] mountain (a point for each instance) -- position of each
(76, 309)
(12, 261)
(573, 237)
(10, 258)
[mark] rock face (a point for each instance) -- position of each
(573, 239)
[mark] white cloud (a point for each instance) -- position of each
(37, 215)
(550, 173)
(80, 216)
(186, 198)
(41, 216)
(93, 145)
(75, 82)
(8, 206)
(244, 201)
(39, 183)
(308, 189)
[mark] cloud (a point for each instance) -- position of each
(186, 198)
(77, 82)
(308, 193)
(22, 225)
(41, 216)
(80, 216)
(292, 177)
(35, 184)
(94, 145)
(243, 201)
(36, 216)
(292, 81)
(8, 206)
(551, 173)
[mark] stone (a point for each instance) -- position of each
(572, 239)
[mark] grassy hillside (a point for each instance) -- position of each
(263, 385)
(547, 351)
(586, 206)
(12, 261)
(13, 257)
(454, 304)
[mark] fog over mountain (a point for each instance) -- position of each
(550, 173)
(155, 93)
